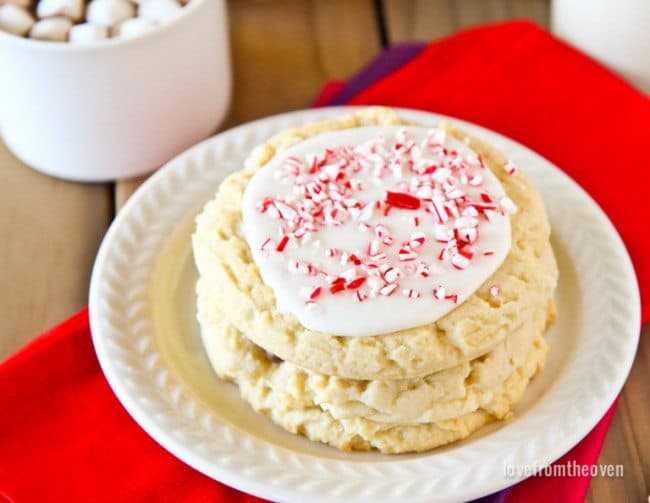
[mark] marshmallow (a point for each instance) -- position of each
(103, 18)
(14, 19)
(54, 29)
(25, 4)
(87, 33)
(72, 9)
(133, 27)
(109, 12)
(158, 10)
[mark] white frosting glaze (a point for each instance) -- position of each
(375, 160)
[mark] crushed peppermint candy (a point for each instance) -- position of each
(411, 207)
(330, 197)
(510, 167)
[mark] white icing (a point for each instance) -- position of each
(413, 302)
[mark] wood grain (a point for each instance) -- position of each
(535, 10)
(432, 19)
(124, 188)
(284, 50)
(420, 19)
(50, 232)
(627, 440)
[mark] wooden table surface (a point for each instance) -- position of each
(51, 229)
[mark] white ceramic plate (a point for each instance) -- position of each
(142, 317)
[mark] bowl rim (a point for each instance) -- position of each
(106, 44)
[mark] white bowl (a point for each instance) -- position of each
(116, 108)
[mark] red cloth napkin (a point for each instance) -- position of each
(516, 79)
(64, 436)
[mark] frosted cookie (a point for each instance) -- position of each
(285, 393)
(442, 395)
(429, 325)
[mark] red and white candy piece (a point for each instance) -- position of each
(314, 292)
(388, 290)
(411, 293)
(510, 167)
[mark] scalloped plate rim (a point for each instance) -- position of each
(101, 339)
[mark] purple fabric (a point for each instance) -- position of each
(500, 497)
(387, 62)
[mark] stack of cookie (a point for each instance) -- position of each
(374, 284)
